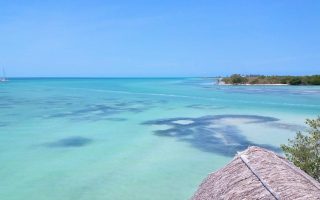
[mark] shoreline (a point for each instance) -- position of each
(247, 84)
(220, 82)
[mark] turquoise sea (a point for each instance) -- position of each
(137, 139)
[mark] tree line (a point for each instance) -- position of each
(261, 79)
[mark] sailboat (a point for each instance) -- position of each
(3, 78)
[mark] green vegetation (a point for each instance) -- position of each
(236, 79)
(304, 149)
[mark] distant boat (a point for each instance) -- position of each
(3, 78)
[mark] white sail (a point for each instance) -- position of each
(3, 78)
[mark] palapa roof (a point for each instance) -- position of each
(257, 173)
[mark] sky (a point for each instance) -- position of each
(159, 38)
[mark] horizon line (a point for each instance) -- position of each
(147, 77)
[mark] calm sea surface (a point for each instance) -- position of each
(137, 139)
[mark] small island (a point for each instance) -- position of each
(237, 79)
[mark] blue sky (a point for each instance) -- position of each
(159, 38)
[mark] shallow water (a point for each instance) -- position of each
(135, 138)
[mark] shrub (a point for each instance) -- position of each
(295, 81)
(238, 79)
(254, 81)
(315, 80)
(304, 149)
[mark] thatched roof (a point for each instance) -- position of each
(257, 173)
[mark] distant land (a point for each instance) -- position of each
(237, 79)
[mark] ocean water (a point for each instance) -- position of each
(137, 139)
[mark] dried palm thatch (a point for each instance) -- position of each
(257, 173)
